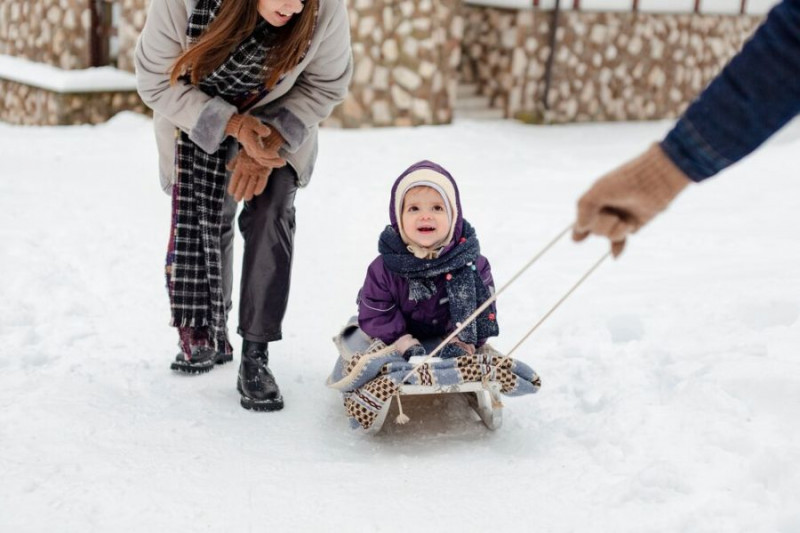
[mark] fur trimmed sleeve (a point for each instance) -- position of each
(320, 86)
(162, 40)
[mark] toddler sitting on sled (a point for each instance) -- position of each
(430, 275)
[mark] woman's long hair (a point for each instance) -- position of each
(235, 21)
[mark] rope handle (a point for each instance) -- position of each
(489, 301)
(559, 302)
(402, 418)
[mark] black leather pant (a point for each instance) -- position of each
(267, 224)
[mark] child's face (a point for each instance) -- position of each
(424, 217)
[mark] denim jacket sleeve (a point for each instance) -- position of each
(755, 95)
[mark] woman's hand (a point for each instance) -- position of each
(255, 137)
(250, 177)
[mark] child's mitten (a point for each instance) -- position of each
(406, 344)
(456, 348)
(413, 351)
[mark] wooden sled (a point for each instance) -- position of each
(485, 401)
(482, 396)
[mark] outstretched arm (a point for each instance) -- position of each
(755, 95)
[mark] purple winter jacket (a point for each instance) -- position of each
(384, 308)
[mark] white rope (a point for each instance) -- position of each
(559, 302)
(402, 418)
(488, 302)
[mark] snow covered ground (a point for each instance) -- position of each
(671, 378)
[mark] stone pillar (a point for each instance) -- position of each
(406, 54)
(133, 14)
(55, 32)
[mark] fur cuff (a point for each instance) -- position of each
(291, 128)
(209, 130)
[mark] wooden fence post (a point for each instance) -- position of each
(548, 69)
(101, 31)
(95, 44)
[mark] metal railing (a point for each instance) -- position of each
(698, 7)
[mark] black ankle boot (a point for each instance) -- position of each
(202, 360)
(256, 383)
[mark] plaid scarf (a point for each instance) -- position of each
(194, 260)
(465, 288)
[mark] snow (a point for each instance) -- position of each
(671, 378)
(97, 79)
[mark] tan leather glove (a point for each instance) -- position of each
(273, 143)
(253, 135)
(249, 177)
(628, 197)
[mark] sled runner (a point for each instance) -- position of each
(369, 374)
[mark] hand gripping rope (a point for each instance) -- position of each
(402, 418)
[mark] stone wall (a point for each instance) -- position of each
(406, 55)
(133, 14)
(24, 104)
(410, 54)
(607, 65)
(54, 32)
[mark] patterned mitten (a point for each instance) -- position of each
(405, 343)
(456, 348)
(414, 351)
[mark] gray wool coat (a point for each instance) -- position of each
(295, 107)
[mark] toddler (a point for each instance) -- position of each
(430, 275)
